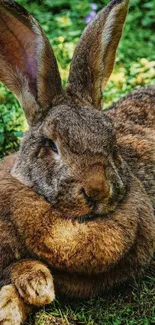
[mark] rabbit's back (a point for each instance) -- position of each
(136, 108)
(134, 120)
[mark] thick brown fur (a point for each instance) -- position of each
(77, 201)
(134, 121)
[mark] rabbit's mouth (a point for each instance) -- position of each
(109, 205)
(86, 209)
(103, 211)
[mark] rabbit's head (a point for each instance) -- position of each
(69, 154)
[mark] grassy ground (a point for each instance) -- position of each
(131, 304)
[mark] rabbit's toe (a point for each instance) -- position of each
(11, 307)
(36, 288)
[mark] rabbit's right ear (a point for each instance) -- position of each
(94, 56)
(27, 64)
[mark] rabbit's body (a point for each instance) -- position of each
(134, 121)
(86, 258)
(80, 268)
(79, 195)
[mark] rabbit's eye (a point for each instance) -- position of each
(53, 146)
(49, 143)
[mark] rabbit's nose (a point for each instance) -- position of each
(96, 190)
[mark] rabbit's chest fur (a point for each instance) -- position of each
(86, 258)
(90, 247)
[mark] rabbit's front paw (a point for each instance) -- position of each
(12, 309)
(36, 287)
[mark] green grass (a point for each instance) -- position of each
(131, 304)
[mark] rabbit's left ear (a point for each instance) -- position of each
(94, 55)
(27, 63)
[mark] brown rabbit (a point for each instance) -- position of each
(79, 197)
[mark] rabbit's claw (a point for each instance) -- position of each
(11, 306)
(36, 288)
